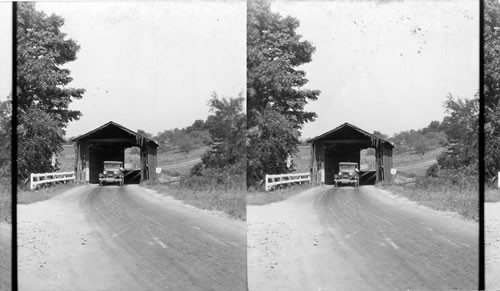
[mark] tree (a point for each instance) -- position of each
(492, 88)
(461, 126)
(40, 137)
(274, 86)
(42, 50)
(145, 134)
(434, 126)
(269, 145)
(42, 91)
(5, 139)
(198, 125)
(380, 135)
(227, 126)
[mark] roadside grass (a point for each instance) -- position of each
(411, 157)
(441, 194)
(261, 197)
(5, 201)
(26, 196)
(417, 171)
(492, 195)
(176, 156)
(204, 194)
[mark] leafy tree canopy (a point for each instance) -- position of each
(275, 94)
(227, 126)
(41, 52)
(492, 88)
(461, 126)
(5, 138)
(274, 51)
(42, 92)
(39, 137)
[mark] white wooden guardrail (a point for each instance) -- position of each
(38, 179)
(273, 180)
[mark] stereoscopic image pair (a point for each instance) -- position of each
(250, 145)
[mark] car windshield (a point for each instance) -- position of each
(113, 165)
(347, 167)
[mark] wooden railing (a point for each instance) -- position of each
(273, 180)
(38, 179)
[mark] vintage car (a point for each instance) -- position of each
(348, 174)
(113, 173)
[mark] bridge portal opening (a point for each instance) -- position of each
(346, 143)
(113, 142)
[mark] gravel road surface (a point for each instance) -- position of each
(127, 238)
(492, 247)
(5, 256)
(358, 239)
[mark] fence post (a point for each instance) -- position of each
(31, 181)
(498, 178)
(266, 183)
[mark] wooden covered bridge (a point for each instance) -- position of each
(344, 144)
(108, 143)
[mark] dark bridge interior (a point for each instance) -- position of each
(344, 144)
(108, 143)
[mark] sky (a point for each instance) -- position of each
(386, 65)
(5, 50)
(153, 65)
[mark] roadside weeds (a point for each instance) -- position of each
(25, 196)
(261, 197)
(492, 195)
(5, 201)
(464, 201)
(230, 201)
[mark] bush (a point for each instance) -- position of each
(432, 171)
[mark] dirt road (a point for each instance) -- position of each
(5, 256)
(358, 239)
(425, 165)
(127, 238)
(492, 245)
(178, 165)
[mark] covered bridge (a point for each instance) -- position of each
(108, 143)
(344, 144)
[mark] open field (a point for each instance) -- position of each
(411, 157)
(302, 160)
(66, 159)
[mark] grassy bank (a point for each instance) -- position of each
(441, 194)
(26, 196)
(229, 201)
(5, 201)
(261, 197)
(492, 195)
